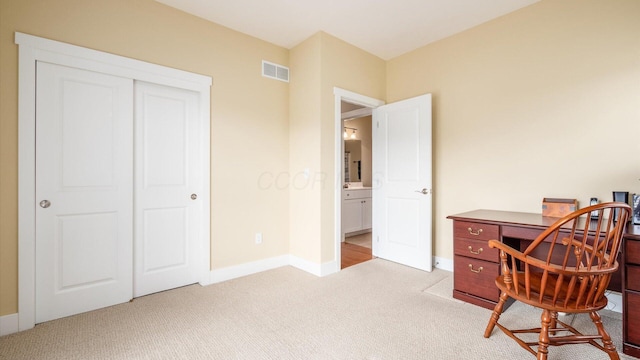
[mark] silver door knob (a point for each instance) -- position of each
(424, 191)
(194, 196)
(45, 204)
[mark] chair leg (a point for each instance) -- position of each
(554, 321)
(496, 314)
(543, 341)
(606, 339)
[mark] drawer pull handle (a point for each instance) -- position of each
(475, 252)
(476, 233)
(474, 270)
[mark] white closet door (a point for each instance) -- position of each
(168, 183)
(84, 178)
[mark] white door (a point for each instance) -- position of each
(402, 194)
(168, 182)
(84, 179)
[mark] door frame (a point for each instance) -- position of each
(32, 49)
(358, 99)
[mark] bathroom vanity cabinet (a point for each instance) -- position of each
(356, 210)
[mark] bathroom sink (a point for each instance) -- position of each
(356, 186)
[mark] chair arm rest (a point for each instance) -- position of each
(495, 244)
(566, 241)
(542, 264)
(587, 248)
(506, 249)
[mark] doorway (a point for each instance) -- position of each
(356, 174)
(356, 188)
(401, 191)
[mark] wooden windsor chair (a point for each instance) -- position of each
(563, 270)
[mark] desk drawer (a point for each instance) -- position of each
(632, 315)
(632, 251)
(476, 277)
(633, 277)
(518, 232)
(476, 231)
(478, 249)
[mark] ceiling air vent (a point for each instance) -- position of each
(275, 71)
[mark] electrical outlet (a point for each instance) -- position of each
(258, 238)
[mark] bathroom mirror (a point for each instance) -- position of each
(352, 161)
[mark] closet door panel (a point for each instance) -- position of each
(84, 179)
(168, 179)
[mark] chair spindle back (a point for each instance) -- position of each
(576, 257)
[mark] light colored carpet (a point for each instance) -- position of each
(363, 240)
(374, 310)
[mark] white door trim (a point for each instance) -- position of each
(340, 95)
(32, 49)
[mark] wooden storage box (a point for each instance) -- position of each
(558, 207)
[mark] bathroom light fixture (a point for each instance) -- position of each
(353, 133)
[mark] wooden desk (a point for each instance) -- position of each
(476, 266)
(631, 291)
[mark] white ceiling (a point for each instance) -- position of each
(385, 28)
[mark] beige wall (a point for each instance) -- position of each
(348, 68)
(544, 102)
(249, 121)
(304, 150)
(322, 62)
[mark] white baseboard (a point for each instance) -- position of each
(329, 268)
(8, 324)
(232, 272)
(320, 270)
(442, 263)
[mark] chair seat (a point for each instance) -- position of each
(547, 301)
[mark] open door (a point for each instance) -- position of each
(402, 185)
